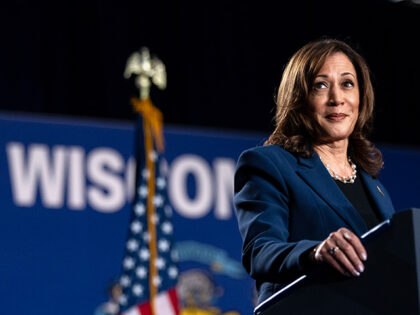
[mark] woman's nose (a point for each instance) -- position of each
(336, 96)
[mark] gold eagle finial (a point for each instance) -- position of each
(147, 68)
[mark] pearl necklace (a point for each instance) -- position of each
(345, 179)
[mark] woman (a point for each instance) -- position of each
(306, 196)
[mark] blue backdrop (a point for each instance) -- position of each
(66, 187)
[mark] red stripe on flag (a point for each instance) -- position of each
(174, 300)
(145, 309)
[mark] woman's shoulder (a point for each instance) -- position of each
(266, 156)
(270, 151)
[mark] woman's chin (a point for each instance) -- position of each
(336, 137)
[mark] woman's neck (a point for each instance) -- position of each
(335, 155)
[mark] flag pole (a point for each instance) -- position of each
(146, 70)
(152, 122)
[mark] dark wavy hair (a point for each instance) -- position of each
(296, 130)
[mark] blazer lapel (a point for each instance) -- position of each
(379, 195)
(313, 172)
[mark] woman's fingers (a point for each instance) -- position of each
(344, 251)
(353, 248)
(342, 257)
(355, 241)
(333, 262)
(336, 256)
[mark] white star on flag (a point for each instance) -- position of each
(167, 227)
(143, 191)
(132, 245)
(128, 263)
(160, 183)
(144, 254)
(122, 299)
(125, 281)
(168, 211)
(137, 289)
(146, 237)
(141, 272)
(160, 263)
(163, 245)
(136, 227)
(140, 209)
(158, 201)
(172, 272)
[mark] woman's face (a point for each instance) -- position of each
(334, 98)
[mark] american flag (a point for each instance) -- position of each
(149, 265)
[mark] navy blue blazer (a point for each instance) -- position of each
(285, 205)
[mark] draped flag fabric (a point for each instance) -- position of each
(149, 265)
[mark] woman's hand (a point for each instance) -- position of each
(342, 250)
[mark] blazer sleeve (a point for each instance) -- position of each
(262, 207)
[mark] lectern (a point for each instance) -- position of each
(390, 283)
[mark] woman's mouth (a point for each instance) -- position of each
(336, 116)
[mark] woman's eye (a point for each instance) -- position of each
(320, 85)
(348, 83)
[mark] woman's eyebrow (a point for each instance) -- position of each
(343, 74)
(346, 73)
